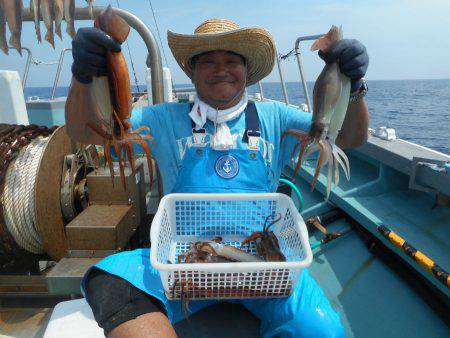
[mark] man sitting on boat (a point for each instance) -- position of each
(123, 290)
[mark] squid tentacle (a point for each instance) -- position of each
(329, 177)
(303, 140)
(345, 158)
(319, 164)
(130, 153)
(148, 155)
(107, 150)
(336, 170)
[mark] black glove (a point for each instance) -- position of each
(353, 60)
(89, 53)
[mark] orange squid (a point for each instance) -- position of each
(99, 112)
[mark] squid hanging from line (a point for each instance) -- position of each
(330, 100)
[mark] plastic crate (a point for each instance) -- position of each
(185, 218)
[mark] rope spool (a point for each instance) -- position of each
(18, 196)
(31, 159)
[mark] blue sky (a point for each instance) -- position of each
(405, 39)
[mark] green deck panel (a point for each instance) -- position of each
(373, 301)
(377, 194)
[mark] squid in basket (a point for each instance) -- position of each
(330, 100)
(99, 112)
(214, 251)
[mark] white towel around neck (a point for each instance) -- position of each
(222, 138)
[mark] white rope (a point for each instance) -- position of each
(19, 193)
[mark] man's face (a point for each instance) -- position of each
(219, 78)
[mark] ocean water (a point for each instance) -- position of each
(419, 110)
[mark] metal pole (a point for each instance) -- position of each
(300, 66)
(27, 66)
(58, 71)
(283, 85)
(261, 90)
(154, 55)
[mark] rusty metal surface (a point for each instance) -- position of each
(102, 227)
(66, 275)
(49, 219)
(22, 284)
(103, 191)
(101, 188)
(90, 253)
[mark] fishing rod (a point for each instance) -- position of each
(438, 272)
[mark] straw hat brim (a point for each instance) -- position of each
(255, 44)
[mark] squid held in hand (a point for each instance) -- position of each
(330, 101)
(99, 112)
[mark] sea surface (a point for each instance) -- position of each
(419, 110)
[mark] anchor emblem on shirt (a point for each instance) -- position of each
(227, 166)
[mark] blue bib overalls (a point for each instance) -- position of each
(305, 313)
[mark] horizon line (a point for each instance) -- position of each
(271, 82)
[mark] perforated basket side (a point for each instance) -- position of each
(211, 285)
(162, 233)
(204, 219)
(289, 237)
(194, 217)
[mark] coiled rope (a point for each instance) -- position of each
(26, 146)
(18, 196)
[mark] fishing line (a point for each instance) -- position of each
(288, 55)
(160, 40)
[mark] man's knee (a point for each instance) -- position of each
(114, 300)
(307, 323)
(316, 323)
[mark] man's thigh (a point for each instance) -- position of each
(114, 300)
(305, 313)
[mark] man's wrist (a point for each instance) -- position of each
(358, 90)
(356, 86)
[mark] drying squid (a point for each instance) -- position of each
(69, 13)
(331, 94)
(58, 10)
(99, 112)
(13, 14)
(36, 11)
(48, 16)
(3, 44)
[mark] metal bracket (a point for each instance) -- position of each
(418, 162)
(253, 140)
(199, 137)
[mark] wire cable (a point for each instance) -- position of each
(159, 37)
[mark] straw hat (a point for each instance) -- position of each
(255, 44)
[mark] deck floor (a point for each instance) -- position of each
(24, 322)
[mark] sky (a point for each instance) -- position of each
(405, 39)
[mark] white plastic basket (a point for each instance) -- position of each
(185, 218)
